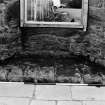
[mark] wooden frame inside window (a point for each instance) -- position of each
(27, 22)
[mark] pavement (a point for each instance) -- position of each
(30, 94)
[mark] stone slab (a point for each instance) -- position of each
(88, 93)
(14, 101)
(69, 103)
(39, 102)
(94, 103)
(12, 83)
(53, 92)
(16, 90)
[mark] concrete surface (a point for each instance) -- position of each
(27, 94)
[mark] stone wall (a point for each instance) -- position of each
(60, 41)
(21, 48)
(10, 33)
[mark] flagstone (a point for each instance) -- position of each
(16, 90)
(69, 103)
(14, 101)
(88, 93)
(40, 102)
(53, 92)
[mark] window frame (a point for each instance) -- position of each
(25, 23)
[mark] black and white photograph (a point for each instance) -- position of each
(52, 52)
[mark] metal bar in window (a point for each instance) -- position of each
(25, 1)
(103, 4)
(82, 12)
(21, 12)
(42, 9)
(85, 12)
(31, 3)
(35, 7)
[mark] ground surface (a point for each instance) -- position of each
(50, 94)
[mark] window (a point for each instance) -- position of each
(54, 13)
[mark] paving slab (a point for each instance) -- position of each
(13, 83)
(94, 103)
(53, 92)
(69, 103)
(88, 93)
(14, 101)
(39, 102)
(16, 90)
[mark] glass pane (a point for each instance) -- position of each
(72, 3)
(54, 10)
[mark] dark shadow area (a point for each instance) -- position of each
(50, 69)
